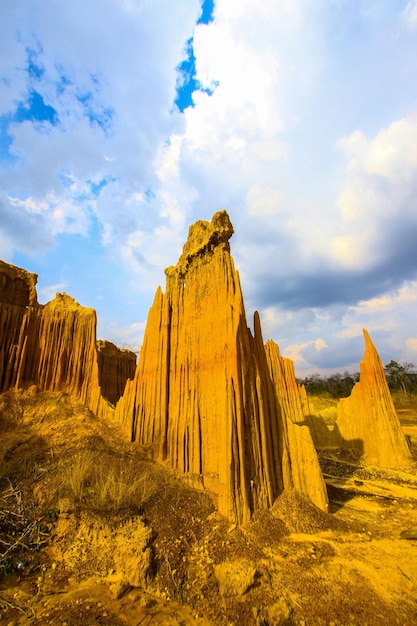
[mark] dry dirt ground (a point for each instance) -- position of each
(91, 532)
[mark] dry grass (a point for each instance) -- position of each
(59, 448)
(105, 482)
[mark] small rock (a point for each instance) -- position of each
(409, 534)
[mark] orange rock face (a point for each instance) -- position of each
(303, 464)
(367, 420)
(202, 398)
(52, 346)
(17, 296)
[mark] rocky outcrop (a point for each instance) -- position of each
(115, 367)
(367, 420)
(305, 470)
(202, 399)
(17, 297)
(17, 286)
(52, 346)
(292, 397)
(298, 408)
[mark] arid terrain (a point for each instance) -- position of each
(91, 532)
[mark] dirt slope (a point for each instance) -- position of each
(91, 532)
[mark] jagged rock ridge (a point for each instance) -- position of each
(203, 398)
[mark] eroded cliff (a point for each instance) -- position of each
(53, 346)
(202, 398)
(17, 297)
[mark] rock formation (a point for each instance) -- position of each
(17, 294)
(53, 346)
(115, 367)
(202, 398)
(367, 420)
(293, 402)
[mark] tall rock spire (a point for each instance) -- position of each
(367, 420)
(203, 398)
(304, 468)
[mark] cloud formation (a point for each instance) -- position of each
(303, 126)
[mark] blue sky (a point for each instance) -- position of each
(124, 121)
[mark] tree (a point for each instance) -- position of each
(401, 377)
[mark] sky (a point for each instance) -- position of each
(122, 122)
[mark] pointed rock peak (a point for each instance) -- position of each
(368, 341)
(203, 237)
(367, 420)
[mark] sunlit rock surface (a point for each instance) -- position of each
(303, 464)
(203, 399)
(17, 293)
(52, 346)
(367, 420)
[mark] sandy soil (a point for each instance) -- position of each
(70, 558)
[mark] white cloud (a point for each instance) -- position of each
(48, 293)
(380, 187)
(410, 15)
(63, 214)
(412, 346)
(263, 202)
(108, 70)
(128, 337)
(317, 230)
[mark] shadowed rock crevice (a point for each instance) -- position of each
(115, 367)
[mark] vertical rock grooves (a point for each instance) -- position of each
(17, 294)
(367, 420)
(304, 468)
(203, 399)
(53, 346)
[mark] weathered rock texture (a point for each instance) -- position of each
(52, 346)
(292, 399)
(115, 367)
(202, 398)
(17, 294)
(295, 403)
(367, 420)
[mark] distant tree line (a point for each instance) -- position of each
(400, 378)
(337, 385)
